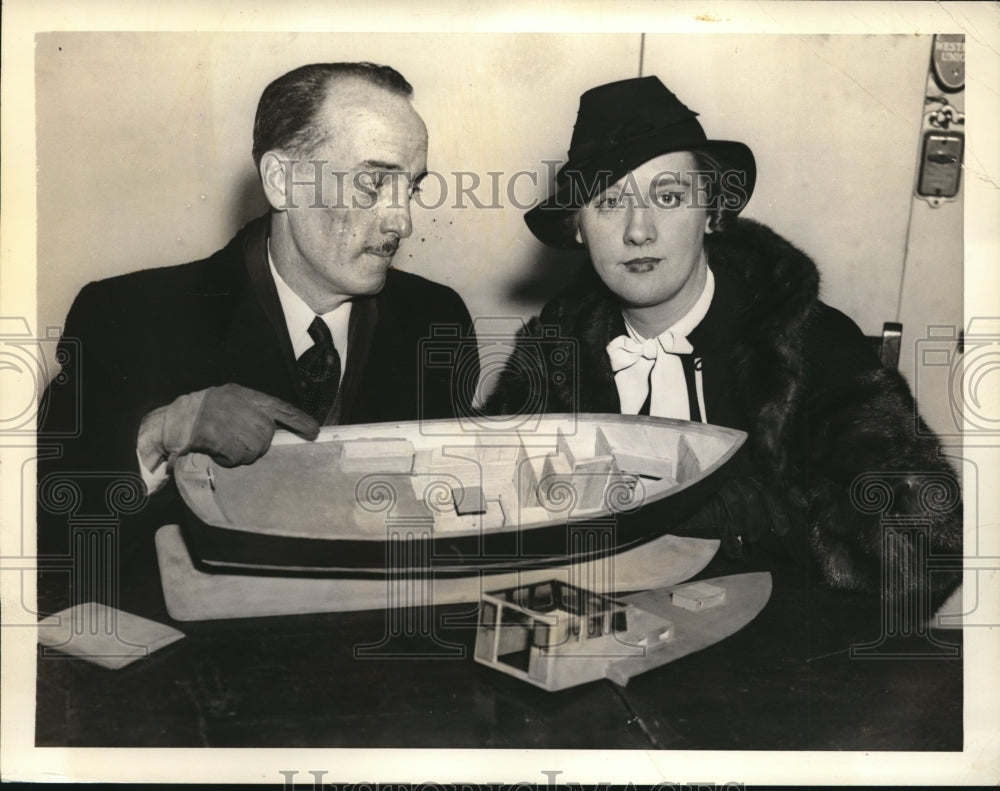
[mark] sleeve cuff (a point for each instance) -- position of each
(154, 480)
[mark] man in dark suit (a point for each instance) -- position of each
(298, 322)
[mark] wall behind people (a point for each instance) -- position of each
(143, 149)
(835, 123)
(833, 138)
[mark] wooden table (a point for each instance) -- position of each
(788, 681)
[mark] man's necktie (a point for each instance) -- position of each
(319, 372)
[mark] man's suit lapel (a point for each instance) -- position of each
(260, 347)
(257, 345)
(360, 333)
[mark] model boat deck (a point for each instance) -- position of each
(459, 483)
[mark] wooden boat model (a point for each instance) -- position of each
(556, 635)
(389, 499)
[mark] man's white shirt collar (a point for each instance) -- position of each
(298, 317)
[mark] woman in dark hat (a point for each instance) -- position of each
(691, 312)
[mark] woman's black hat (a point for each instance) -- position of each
(620, 126)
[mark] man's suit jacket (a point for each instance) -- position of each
(135, 342)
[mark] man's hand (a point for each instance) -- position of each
(232, 424)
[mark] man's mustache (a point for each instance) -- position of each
(386, 248)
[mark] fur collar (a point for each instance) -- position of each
(766, 292)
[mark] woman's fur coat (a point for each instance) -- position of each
(834, 437)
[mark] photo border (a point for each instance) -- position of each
(21, 760)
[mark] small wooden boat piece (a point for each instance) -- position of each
(555, 635)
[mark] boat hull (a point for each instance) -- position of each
(389, 500)
(192, 594)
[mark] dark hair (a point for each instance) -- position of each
(720, 208)
(287, 110)
(720, 202)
